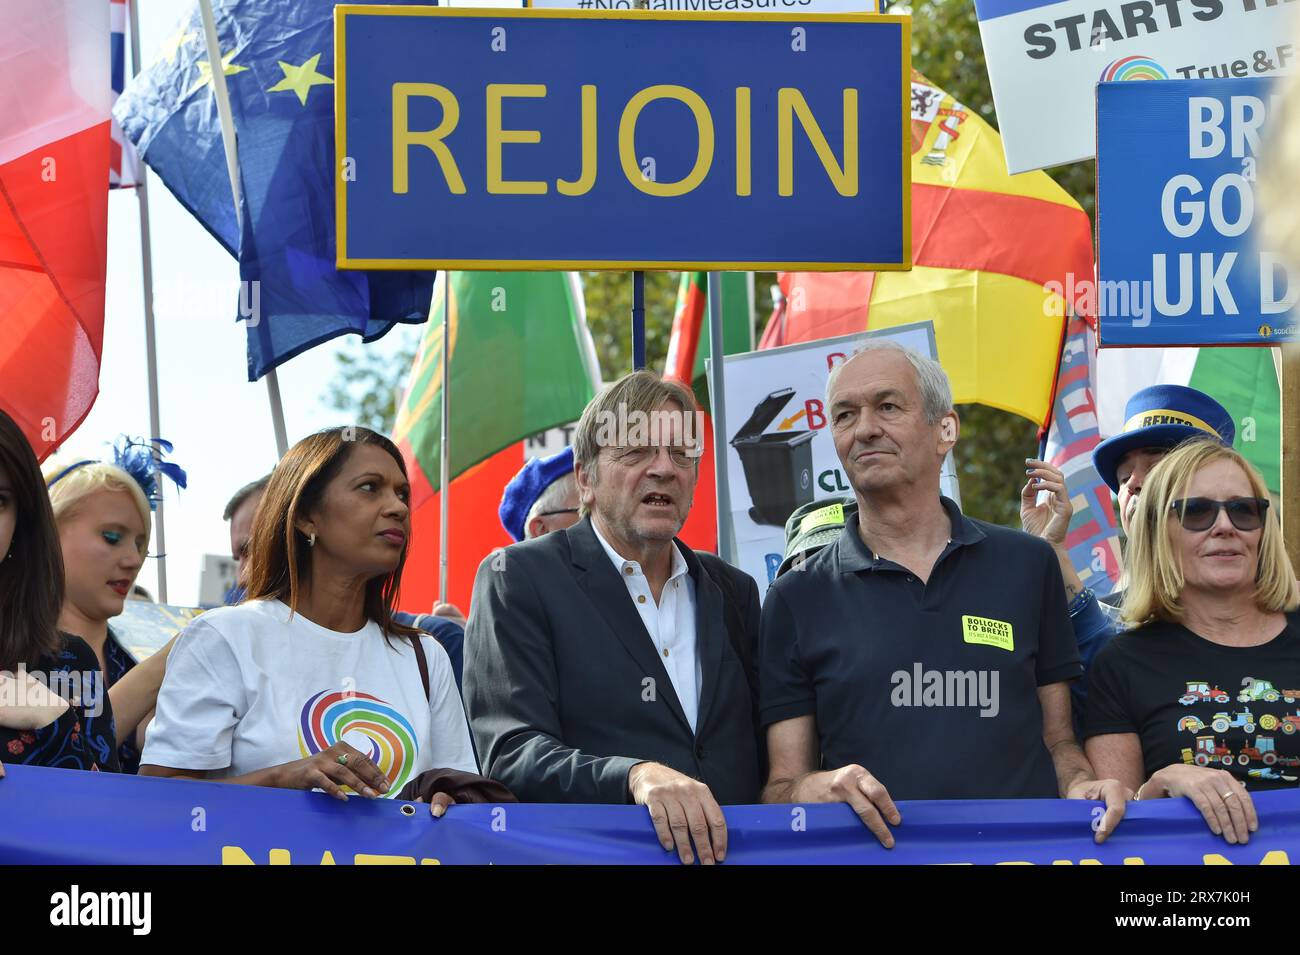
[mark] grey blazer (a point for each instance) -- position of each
(565, 691)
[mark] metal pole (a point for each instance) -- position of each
(638, 320)
(444, 443)
(1290, 394)
(150, 340)
(717, 388)
(236, 190)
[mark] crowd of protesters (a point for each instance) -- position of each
(911, 652)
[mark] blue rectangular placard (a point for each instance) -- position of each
(1179, 258)
(557, 139)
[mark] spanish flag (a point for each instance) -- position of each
(988, 250)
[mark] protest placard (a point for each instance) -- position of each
(547, 139)
(1045, 58)
(1179, 255)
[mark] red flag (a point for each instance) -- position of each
(54, 160)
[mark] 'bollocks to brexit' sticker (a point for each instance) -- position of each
(993, 633)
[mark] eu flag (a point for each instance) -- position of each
(278, 59)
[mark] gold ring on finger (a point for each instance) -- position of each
(1228, 795)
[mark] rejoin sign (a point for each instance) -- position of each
(500, 139)
(1178, 259)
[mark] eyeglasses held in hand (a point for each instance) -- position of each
(1200, 513)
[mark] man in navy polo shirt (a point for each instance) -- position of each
(923, 655)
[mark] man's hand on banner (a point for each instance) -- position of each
(1051, 519)
(1216, 793)
(1110, 791)
(681, 808)
(862, 791)
(332, 769)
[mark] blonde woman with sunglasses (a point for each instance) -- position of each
(1202, 697)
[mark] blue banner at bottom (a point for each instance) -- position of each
(55, 816)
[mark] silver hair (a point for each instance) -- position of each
(936, 390)
(551, 499)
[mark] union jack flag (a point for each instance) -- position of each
(124, 165)
(1093, 539)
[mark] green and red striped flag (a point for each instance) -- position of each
(1243, 380)
(522, 361)
(688, 346)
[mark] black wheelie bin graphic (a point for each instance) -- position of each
(777, 466)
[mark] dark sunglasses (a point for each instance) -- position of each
(1200, 513)
(563, 510)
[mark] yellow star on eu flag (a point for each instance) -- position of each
(172, 45)
(300, 79)
(205, 71)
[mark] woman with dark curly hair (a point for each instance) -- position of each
(54, 706)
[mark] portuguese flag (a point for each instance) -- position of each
(522, 361)
(688, 346)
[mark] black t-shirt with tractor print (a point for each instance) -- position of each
(1196, 702)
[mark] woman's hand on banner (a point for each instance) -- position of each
(333, 769)
(1217, 795)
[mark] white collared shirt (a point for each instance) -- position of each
(670, 623)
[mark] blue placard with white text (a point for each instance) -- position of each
(557, 139)
(1181, 260)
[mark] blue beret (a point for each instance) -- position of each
(527, 486)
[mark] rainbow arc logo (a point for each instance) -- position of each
(1136, 67)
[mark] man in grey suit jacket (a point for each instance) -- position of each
(608, 662)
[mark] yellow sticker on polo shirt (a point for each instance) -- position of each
(993, 633)
(831, 514)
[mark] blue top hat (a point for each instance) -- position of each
(527, 486)
(1162, 416)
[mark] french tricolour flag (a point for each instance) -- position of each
(54, 151)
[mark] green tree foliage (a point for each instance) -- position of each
(369, 380)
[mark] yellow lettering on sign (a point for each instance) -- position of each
(498, 137)
(587, 177)
(365, 858)
(989, 632)
(627, 140)
(743, 148)
(234, 855)
(1273, 857)
(789, 104)
(432, 139)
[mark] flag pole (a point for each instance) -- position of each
(444, 443)
(150, 340)
(218, 74)
(717, 398)
(638, 320)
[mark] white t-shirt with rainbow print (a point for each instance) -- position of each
(249, 687)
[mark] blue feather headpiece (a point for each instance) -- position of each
(137, 459)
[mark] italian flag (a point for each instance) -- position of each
(1242, 379)
(522, 360)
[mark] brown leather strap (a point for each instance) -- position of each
(418, 644)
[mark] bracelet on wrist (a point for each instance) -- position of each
(1080, 601)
